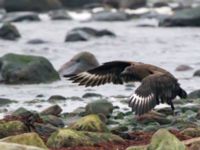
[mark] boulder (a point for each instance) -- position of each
(5, 101)
(53, 120)
(44, 129)
(9, 32)
(110, 16)
(101, 107)
(80, 62)
(185, 17)
(31, 5)
(52, 110)
(56, 98)
(192, 132)
(71, 138)
(90, 123)
(196, 73)
(36, 41)
(21, 16)
(164, 140)
(11, 128)
(22, 113)
(183, 68)
(20, 69)
(74, 4)
(194, 95)
(60, 14)
(86, 33)
(31, 139)
(12, 146)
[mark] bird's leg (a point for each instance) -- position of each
(172, 106)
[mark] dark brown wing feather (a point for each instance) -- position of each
(107, 73)
(153, 89)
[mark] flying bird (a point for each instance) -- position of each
(157, 85)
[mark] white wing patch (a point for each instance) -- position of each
(141, 104)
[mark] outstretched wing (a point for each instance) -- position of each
(107, 73)
(153, 88)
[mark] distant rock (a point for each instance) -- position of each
(195, 94)
(31, 5)
(56, 98)
(21, 16)
(74, 4)
(102, 107)
(5, 101)
(9, 32)
(80, 62)
(110, 16)
(183, 18)
(20, 69)
(160, 4)
(36, 41)
(197, 73)
(183, 68)
(60, 14)
(132, 4)
(86, 33)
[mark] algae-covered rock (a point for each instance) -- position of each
(52, 110)
(9, 32)
(164, 140)
(99, 107)
(18, 69)
(90, 123)
(11, 128)
(136, 148)
(53, 120)
(31, 139)
(71, 138)
(12, 146)
(193, 132)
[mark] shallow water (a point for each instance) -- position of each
(165, 47)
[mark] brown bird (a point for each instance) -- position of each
(157, 85)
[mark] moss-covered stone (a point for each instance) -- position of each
(11, 128)
(90, 123)
(18, 69)
(164, 140)
(71, 138)
(53, 120)
(31, 139)
(12, 146)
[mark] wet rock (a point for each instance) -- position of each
(192, 132)
(31, 5)
(90, 95)
(185, 17)
(21, 16)
(53, 120)
(12, 146)
(183, 68)
(160, 4)
(161, 139)
(195, 94)
(71, 138)
(80, 62)
(132, 4)
(90, 123)
(154, 117)
(196, 73)
(22, 112)
(74, 4)
(166, 111)
(119, 129)
(20, 69)
(44, 129)
(86, 33)
(60, 14)
(9, 32)
(191, 107)
(36, 41)
(52, 110)
(56, 98)
(181, 123)
(99, 107)
(11, 128)
(110, 16)
(31, 139)
(5, 101)
(198, 115)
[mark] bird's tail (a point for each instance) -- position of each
(182, 93)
